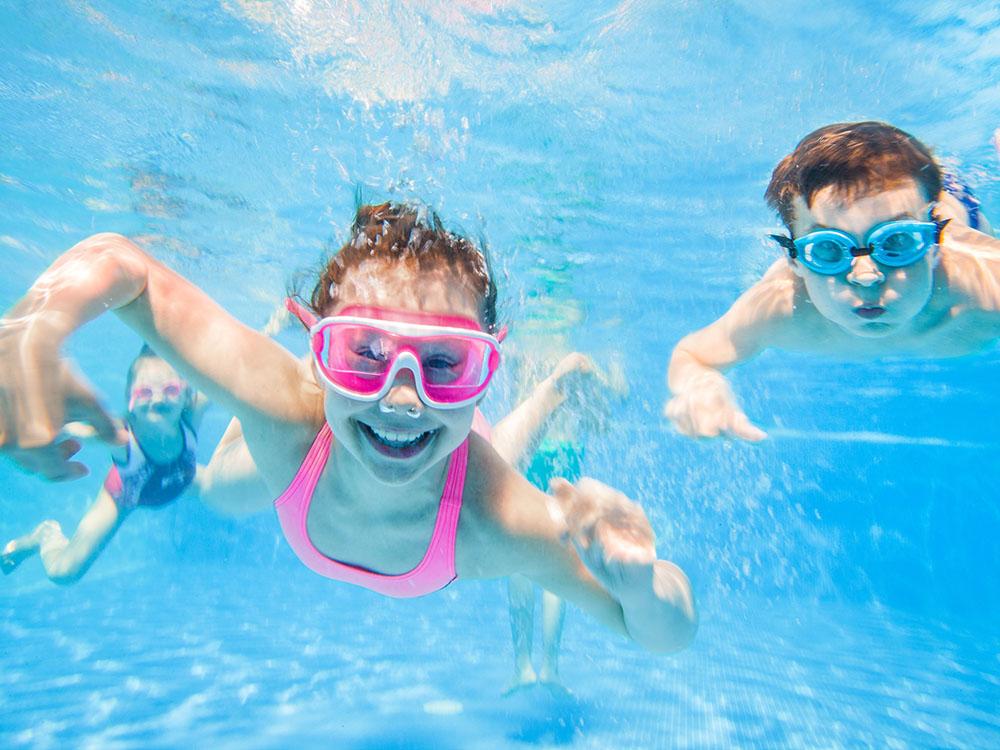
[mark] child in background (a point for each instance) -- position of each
(882, 260)
(152, 469)
(379, 481)
(530, 441)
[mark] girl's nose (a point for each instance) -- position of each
(403, 396)
(865, 272)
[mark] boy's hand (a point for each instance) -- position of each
(706, 408)
(610, 533)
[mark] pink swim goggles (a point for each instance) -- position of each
(360, 351)
(143, 394)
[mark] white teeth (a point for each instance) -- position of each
(397, 439)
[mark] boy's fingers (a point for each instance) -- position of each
(742, 427)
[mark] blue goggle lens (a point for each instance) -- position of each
(894, 244)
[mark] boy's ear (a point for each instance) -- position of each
(790, 251)
(795, 266)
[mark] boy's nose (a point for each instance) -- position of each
(864, 272)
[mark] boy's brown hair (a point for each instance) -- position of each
(857, 159)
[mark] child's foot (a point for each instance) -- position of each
(18, 550)
(522, 678)
(14, 553)
(549, 676)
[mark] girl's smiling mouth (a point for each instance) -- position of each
(396, 443)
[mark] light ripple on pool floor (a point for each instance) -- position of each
(325, 664)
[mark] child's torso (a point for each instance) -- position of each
(410, 535)
(946, 327)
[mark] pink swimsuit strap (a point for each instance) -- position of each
(435, 571)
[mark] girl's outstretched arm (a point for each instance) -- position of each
(241, 369)
(615, 541)
(588, 544)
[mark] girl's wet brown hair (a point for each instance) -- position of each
(400, 233)
(857, 159)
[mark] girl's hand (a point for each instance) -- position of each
(39, 393)
(610, 532)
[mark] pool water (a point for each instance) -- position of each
(614, 155)
(243, 658)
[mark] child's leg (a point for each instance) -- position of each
(66, 560)
(18, 550)
(230, 482)
(553, 614)
(521, 593)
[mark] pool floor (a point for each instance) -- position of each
(250, 658)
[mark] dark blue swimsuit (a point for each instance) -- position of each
(139, 481)
(963, 194)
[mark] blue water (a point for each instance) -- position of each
(614, 156)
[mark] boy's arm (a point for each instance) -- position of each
(703, 405)
(971, 261)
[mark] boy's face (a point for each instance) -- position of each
(870, 299)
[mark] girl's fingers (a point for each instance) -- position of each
(83, 406)
(52, 461)
(68, 448)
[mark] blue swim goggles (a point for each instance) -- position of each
(891, 243)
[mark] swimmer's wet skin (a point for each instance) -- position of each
(880, 260)
(382, 475)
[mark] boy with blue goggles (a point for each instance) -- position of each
(869, 271)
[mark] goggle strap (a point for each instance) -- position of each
(306, 317)
(940, 229)
(788, 243)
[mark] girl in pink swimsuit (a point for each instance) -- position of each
(368, 446)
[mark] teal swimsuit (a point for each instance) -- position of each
(555, 458)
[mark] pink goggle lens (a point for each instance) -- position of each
(359, 358)
(143, 393)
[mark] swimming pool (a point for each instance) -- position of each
(614, 155)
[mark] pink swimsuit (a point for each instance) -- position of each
(435, 571)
